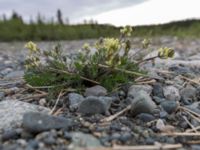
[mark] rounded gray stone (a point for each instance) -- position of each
(12, 111)
(96, 90)
(171, 93)
(142, 103)
(95, 105)
(37, 122)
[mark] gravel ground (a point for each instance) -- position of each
(161, 112)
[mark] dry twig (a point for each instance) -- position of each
(139, 147)
(190, 80)
(112, 117)
(188, 122)
(30, 98)
(53, 109)
(181, 134)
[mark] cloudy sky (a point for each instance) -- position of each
(116, 12)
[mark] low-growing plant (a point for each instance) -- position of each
(108, 63)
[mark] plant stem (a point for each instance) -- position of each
(69, 73)
(148, 59)
(122, 70)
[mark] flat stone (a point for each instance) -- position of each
(6, 71)
(171, 93)
(95, 105)
(195, 107)
(80, 139)
(12, 111)
(38, 122)
(96, 90)
(146, 117)
(180, 70)
(158, 90)
(10, 134)
(169, 106)
(142, 104)
(74, 100)
(2, 95)
(15, 74)
(134, 89)
(188, 94)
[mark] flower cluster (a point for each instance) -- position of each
(126, 31)
(32, 47)
(32, 59)
(145, 43)
(165, 53)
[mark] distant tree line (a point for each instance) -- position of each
(15, 28)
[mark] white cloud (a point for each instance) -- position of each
(151, 12)
(74, 9)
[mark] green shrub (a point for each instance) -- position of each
(107, 63)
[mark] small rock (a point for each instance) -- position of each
(188, 94)
(171, 93)
(163, 114)
(2, 95)
(169, 106)
(50, 140)
(125, 137)
(15, 74)
(146, 117)
(34, 144)
(21, 142)
(195, 147)
(96, 90)
(142, 104)
(74, 100)
(194, 107)
(180, 70)
(134, 89)
(42, 102)
(158, 100)
(38, 122)
(95, 105)
(164, 128)
(10, 134)
(158, 90)
(160, 124)
(6, 71)
(18, 108)
(80, 139)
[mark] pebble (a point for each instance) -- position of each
(18, 108)
(171, 93)
(6, 71)
(38, 122)
(180, 70)
(195, 107)
(142, 104)
(15, 74)
(34, 144)
(145, 117)
(95, 105)
(195, 147)
(74, 100)
(10, 134)
(80, 139)
(96, 90)
(42, 102)
(2, 95)
(134, 89)
(188, 95)
(158, 90)
(169, 106)
(158, 100)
